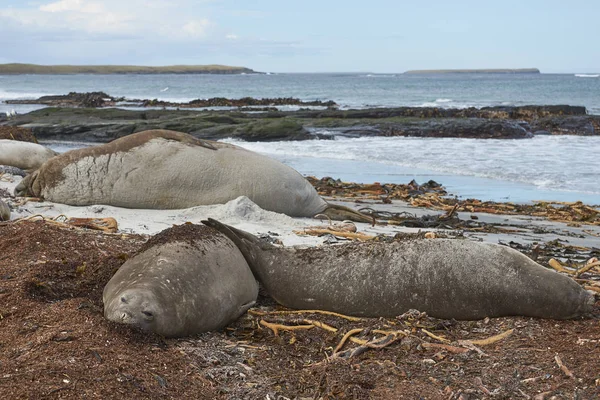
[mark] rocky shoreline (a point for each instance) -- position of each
(101, 99)
(92, 117)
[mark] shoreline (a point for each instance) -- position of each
(397, 208)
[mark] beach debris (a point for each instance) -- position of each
(433, 195)
(370, 333)
(362, 237)
(344, 226)
(17, 133)
(344, 229)
(563, 367)
(107, 225)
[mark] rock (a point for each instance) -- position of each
(101, 99)
(570, 125)
(463, 128)
(272, 130)
(7, 169)
(105, 124)
(73, 99)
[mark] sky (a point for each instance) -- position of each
(377, 36)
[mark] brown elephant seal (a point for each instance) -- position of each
(167, 170)
(25, 155)
(4, 211)
(187, 279)
(445, 278)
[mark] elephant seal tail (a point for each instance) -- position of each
(250, 246)
(342, 213)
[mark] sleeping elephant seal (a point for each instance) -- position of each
(186, 280)
(4, 211)
(166, 170)
(25, 155)
(445, 278)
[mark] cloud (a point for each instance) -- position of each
(73, 5)
(154, 32)
(196, 29)
(86, 19)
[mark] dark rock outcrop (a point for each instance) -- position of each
(476, 128)
(72, 99)
(105, 124)
(101, 99)
(571, 125)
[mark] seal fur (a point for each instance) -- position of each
(162, 169)
(445, 278)
(25, 155)
(187, 279)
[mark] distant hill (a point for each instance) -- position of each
(16, 68)
(475, 71)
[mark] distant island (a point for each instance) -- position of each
(475, 71)
(16, 68)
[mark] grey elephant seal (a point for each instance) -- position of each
(186, 280)
(445, 278)
(167, 170)
(25, 155)
(4, 211)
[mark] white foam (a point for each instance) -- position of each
(565, 163)
(587, 75)
(7, 95)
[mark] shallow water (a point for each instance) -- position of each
(550, 168)
(348, 90)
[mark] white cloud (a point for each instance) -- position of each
(73, 5)
(196, 29)
(232, 36)
(83, 19)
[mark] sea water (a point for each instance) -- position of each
(562, 168)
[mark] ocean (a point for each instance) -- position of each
(552, 168)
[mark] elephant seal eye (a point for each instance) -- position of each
(148, 314)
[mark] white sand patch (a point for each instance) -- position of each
(241, 213)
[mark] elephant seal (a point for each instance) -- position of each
(25, 155)
(187, 279)
(162, 169)
(445, 278)
(4, 211)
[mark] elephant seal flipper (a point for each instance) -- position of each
(445, 278)
(185, 280)
(342, 213)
